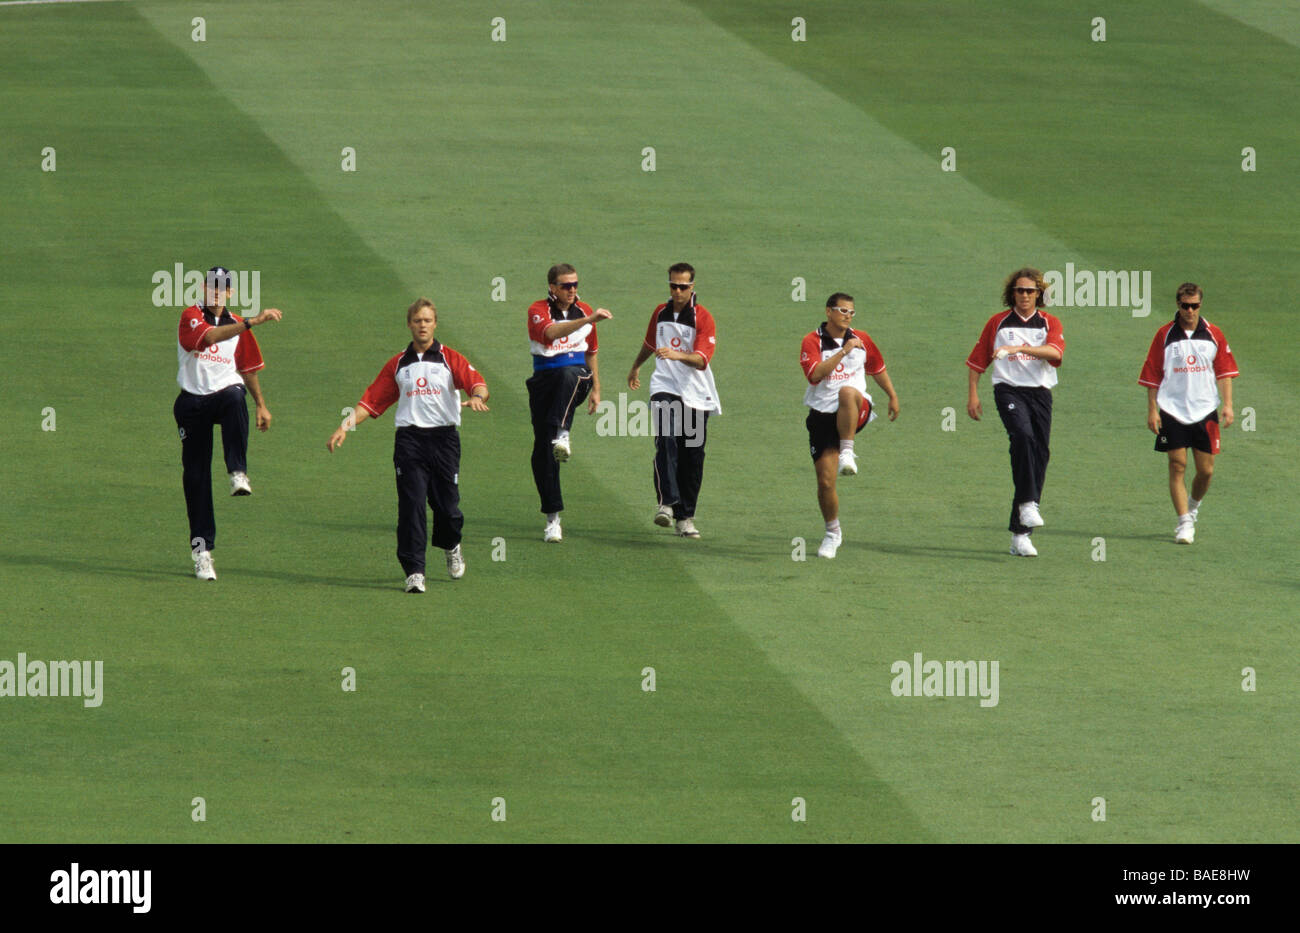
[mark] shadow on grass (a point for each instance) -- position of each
(183, 571)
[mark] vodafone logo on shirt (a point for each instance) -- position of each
(675, 342)
(212, 354)
(422, 387)
(1191, 366)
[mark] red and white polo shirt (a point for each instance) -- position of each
(1019, 369)
(852, 370)
(204, 370)
(424, 387)
(563, 351)
(1186, 367)
(691, 331)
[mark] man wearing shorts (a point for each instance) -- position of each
(1188, 371)
(837, 359)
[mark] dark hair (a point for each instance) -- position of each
(1028, 272)
(678, 267)
(419, 305)
(835, 299)
(1187, 289)
(557, 270)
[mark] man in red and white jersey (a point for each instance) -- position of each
(1024, 345)
(1188, 371)
(562, 338)
(218, 361)
(836, 359)
(423, 381)
(682, 337)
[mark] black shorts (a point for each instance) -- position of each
(1174, 435)
(824, 433)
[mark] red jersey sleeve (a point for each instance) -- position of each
(1055, 337)
(463, 374)
(539, 316)
(1153, 369)
(810, 354)
(875, 362)
(706, 335)
(383, 391)
(248, 355)
(1225, 366)
(650, 337)
(591, 334)
(981, 356)
(192, 329)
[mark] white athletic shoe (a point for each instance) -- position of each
(686, 528)
(1186, 531)
(239, 485)
(415, 583)
(455, 563)
(664, 516)
(552, 532)
(203, 568)
(848, 463)
(1192, 512)
(561, 450)
(1021, 546)
(1029, 516)
(830, 544)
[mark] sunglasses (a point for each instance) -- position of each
(1189, 305)
(1026, 291)
(566, 285)
(849, 311)
(677, 286)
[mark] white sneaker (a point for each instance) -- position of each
(1021, 546)
(830, 544)
(455, 563)
(552, 532)
(686, 528)
(203, 568)
(415, 583)
(1186, 531)
(239, 485)
(664, 516)
(560, 449)
(848, 463)
(1192, 512)
(1029, 516)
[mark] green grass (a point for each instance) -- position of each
(775, 159)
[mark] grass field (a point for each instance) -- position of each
(774, 160)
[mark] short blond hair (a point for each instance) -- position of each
(419, 305)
